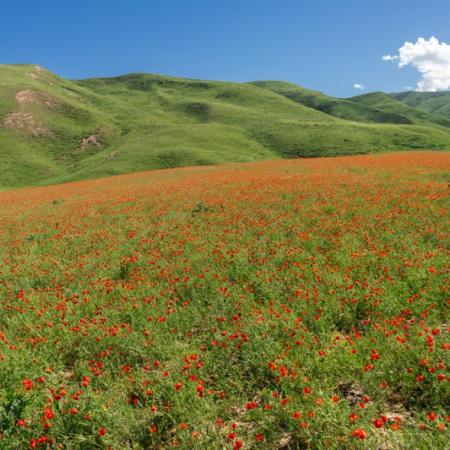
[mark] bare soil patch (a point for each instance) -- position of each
(90, 141)
(29, 96)
(26, 122)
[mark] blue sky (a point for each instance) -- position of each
(327, 45)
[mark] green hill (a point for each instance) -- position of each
(338, 107)
(55, 130)
(391, 105)
(432, 102)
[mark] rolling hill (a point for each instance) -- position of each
(433, 102)
(55, 130)
(390, 105)
(338, 107)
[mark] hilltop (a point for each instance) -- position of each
(55, 130)
(391, 105)
(434, 102)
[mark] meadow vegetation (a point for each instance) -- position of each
(289, 304)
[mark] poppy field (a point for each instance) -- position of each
(295, 304)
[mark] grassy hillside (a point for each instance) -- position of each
(390, 105)
(433, 102)
(43, 121)
(54, 130)
(338, 107)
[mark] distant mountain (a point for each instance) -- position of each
(338, 107)
(392, 105)
(432, 102)
(54, 130)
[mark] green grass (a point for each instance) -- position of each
(385, 103)
(432, 102)
(143, 121)
(338, 107)
(281, 305)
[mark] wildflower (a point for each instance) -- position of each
(27, 384)
(200, 390)
(359, 433)
(379, 422)
(48, 414)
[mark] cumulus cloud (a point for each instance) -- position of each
(430, 58)
(359, 86)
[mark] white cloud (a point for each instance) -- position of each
(359, 86)
(430, 58)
